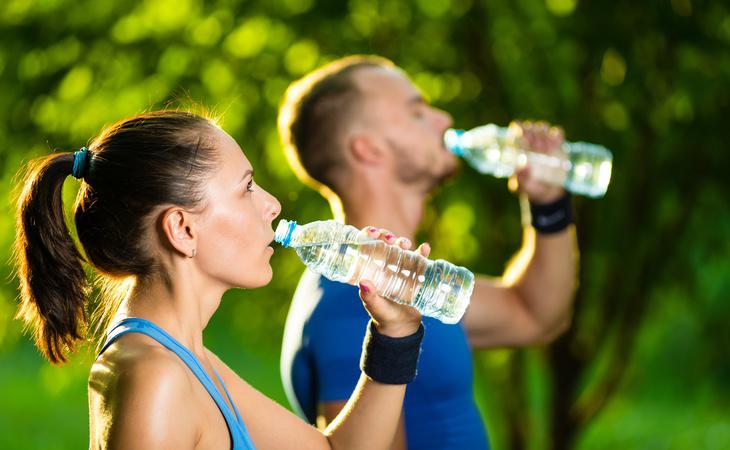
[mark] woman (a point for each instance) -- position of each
(168, 201)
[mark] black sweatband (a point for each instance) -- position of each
(552, 217)
(390, 360)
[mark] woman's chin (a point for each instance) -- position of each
(260, 281)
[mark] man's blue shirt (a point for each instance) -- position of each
(320, 364)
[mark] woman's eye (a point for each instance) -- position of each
(249, 187)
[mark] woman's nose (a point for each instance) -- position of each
(273, 208)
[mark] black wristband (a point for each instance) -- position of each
(390, 360)
(552, 217)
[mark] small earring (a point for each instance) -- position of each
(193, 254)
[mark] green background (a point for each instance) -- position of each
(646, 363)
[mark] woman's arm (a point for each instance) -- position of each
(368, 420)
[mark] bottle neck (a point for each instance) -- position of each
(284, 232)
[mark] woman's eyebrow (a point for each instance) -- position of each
(245, 174)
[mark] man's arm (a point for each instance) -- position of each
(329, 410)
(531, 303)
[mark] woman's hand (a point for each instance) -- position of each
(390, 318)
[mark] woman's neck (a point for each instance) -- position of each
(182, 309)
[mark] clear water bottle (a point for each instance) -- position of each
(343, 253)
(580, 167)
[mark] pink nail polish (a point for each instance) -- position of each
(372, 229)
(389, 236)
(364, 288)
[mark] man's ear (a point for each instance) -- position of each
(178, 227)
(365, 149)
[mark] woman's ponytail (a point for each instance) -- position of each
(53, 283)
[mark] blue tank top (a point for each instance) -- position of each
(320, 364)
(240, 438)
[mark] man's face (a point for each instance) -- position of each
(405, 125)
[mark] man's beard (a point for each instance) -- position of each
(424, 174)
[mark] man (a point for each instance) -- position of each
(360, 132)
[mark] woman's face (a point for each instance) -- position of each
(235, 228)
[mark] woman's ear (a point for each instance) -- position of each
(178, 227)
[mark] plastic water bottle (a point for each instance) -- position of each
(581, 168)
(343, 253)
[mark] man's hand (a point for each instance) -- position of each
(538, 137)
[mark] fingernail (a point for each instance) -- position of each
(389, 236)
(406, 242)
(372, 230)
(364, 288)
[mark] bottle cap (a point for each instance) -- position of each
(284, 232)
(452, 141)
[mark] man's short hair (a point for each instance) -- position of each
(316, 112)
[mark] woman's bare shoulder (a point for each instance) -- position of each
(138, 361)
(143, 392)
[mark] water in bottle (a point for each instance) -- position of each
(580, 167)
(343, 253)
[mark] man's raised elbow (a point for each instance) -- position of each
(552, 333)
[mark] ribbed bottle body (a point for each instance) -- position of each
(580, 167)
(342, 253)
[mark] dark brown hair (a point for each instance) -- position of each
(315, 111)
(135, 165)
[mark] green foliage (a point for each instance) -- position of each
(645, 364)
